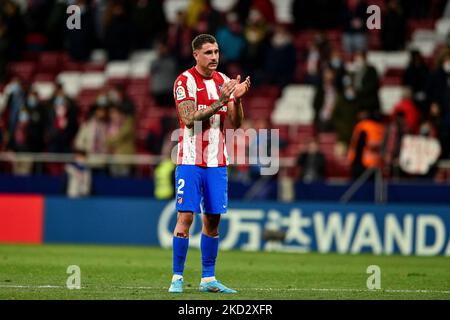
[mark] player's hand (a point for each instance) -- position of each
(241, 88)
(227, 90)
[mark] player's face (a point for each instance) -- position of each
(207, 57)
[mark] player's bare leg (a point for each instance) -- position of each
(211, 224)
(184, 222)
(209, 245)
(180, 247)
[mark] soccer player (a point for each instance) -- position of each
(204, 97)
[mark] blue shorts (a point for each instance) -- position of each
(201, 190)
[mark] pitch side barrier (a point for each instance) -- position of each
(254, 226)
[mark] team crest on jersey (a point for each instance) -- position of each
(180, 92)
(180, 200)
(220, 87)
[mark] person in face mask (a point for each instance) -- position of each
(37, 122)
(62, 124)
(18, 141)
(60, 97)
(366, 83)
(279, 65)
(119, 97)
(32, 101)
(344, 116)
(336, 63)
(102, 100)
(416, 77)
(13, 87)
(15, 99)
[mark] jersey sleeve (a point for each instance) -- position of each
(183, 90)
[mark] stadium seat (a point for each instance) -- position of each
(397, 59)
(2, 100)
(392, 76)
(92, 80)
(117, 70)
(374, 39)
(424, 34)
(35, 41)
(377, 59)
(304, 129)
(266, 91)
(44, 77)
(293, 150)
(425, 47)
(394, 72)
(303, 39)
(71, 82)
(391, 81)
(442, 28)
(91, 66)
(413, 25)
(140, 63)
(137, 89)
(142, 103)
(24, 70)
(300, 71)
(99, 56)
(382, 60)
(70, 65)
(50, 62)
(139, 69)
(294, 106)
(327, 138)
(86, 98)
(334, 35)
(44, 89)
(30, 56)
(140, 81)
(295, 92)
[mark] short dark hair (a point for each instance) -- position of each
(201, 39)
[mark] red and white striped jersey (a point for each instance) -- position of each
(201, 145)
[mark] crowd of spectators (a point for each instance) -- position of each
(424, 108)
(251, 42)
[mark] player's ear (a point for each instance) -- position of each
(195, 54)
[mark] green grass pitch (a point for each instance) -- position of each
(117, 272)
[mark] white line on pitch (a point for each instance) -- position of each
(248, 289)
(30, 287)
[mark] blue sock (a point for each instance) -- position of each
(209, 247)
(179, 250)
